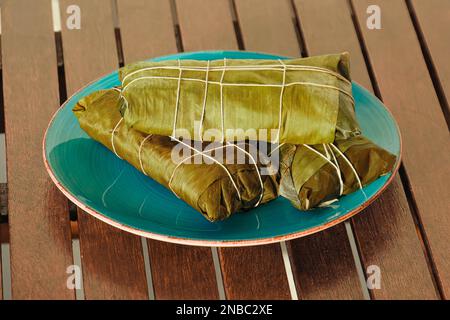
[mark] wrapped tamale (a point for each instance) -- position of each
(317, 175)
(215, 190)
(293, 101)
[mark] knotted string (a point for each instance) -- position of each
(205, 95)
(140, 151)
(221, 99)
(112, 137)
(285, 67)
(177, 102)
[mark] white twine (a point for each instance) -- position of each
(177, 103)
(341, 183)
(326, 151)
(280, 115)
(257, 171)
(276, 148)
(112, 137)
(221, 99)
(184, 160)
(313, 84)
(140, 151)
(350, 164)
(213, 159)
(327, 203)
(218, 148)
(244, 68)
(200, 129)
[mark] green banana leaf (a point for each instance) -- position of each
(205, 187)
(242, 102)
(308, 180)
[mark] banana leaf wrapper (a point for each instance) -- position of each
(308, 180)
(205, 187)
(317, 109)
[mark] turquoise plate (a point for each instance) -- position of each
(115, 192)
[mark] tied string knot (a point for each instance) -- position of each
(280, 67)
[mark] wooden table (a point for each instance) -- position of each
(405, 233)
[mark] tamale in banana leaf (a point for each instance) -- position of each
(209, 188)
(308, 179)
(240, 99)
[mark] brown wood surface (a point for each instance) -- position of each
(323, 266)
(407, 90)
(307, 255)
(38, 212)
(182, 272)
(112, 260)
(254, 273)
(146, 28)
(178, 272)
(385, 231)
(262, 276)
(434, 18)
(267, 26)
(206, 25)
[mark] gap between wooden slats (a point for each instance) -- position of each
(270, 26)
(430, 19)
(389, 214)
(148, 29)
(408, 91)
(36, 214)
(112, 261)
(252, 272)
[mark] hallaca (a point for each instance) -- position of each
(215, 189)
(318, 175)
(294, 101)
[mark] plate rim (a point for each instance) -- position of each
(215, 243)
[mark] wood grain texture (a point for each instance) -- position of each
(327, 27)
(323, 266)
(255, 23)
(434, 17)
(385, 231)
(112, 260)
(264, 273)
(388, 239)
(147, 29)
(178, 272)
(254, 273)
(407, 89)
(268, 26)
(182, 272)
(206, 25)
(38, 212)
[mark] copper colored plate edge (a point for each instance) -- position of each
(217, 243)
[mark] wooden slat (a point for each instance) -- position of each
(433, 17)
(307, 255)
(262, 276)
(206, 25)
(266, 25)
(182, 272)
(327, 28)
(38, 212)
(178, 272)
(323, 266)
(146, 28)
(386, 240)
(112, 260)
(254, 273)
(407, 89)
